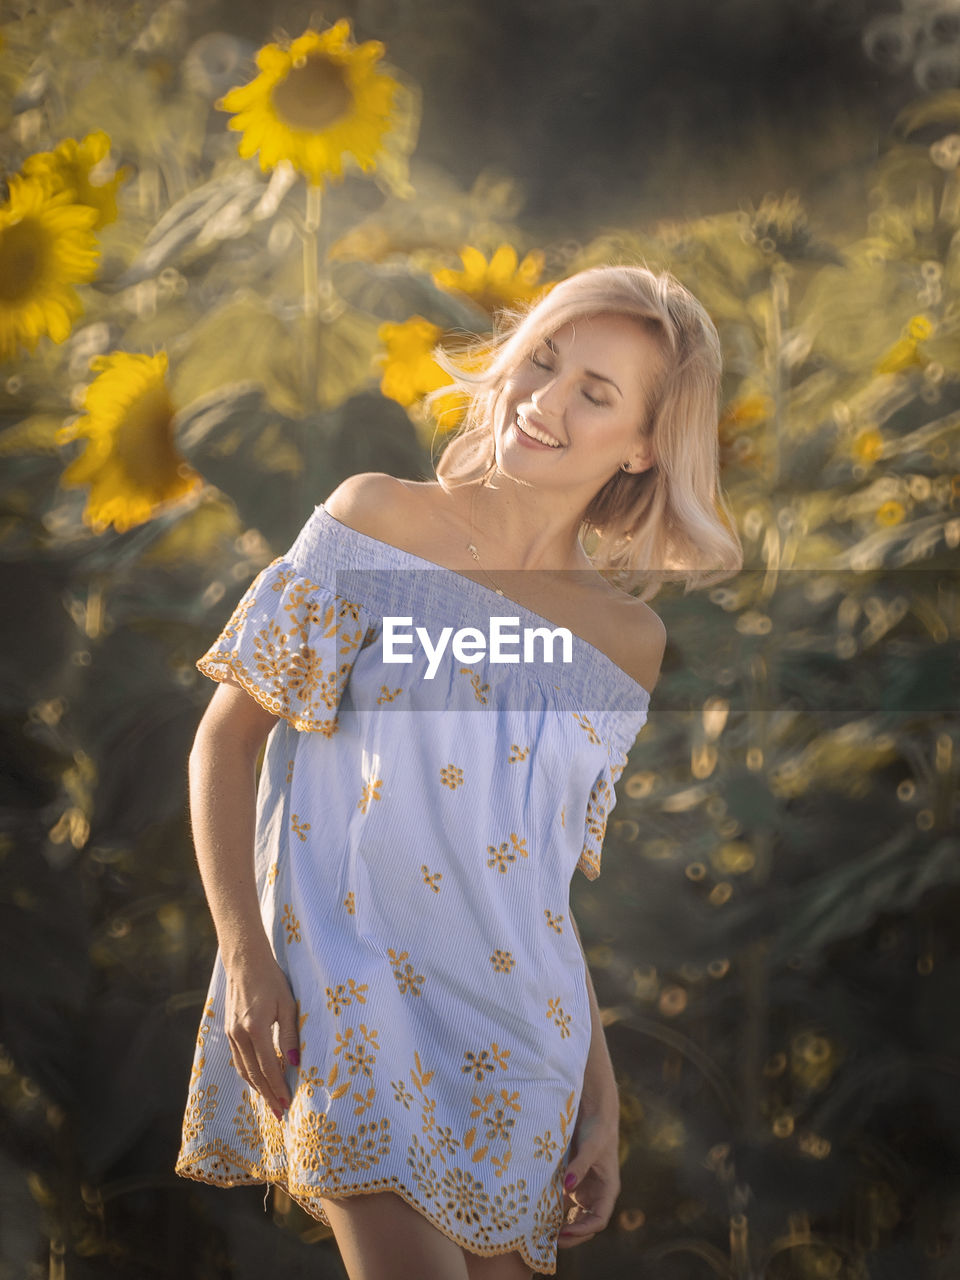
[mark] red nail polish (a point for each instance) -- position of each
(570, 1181)
(294, 1057)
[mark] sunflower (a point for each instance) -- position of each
(501, 282)
(46, 245)
(68, 167)
(315, 103)
(130, 462)
(410, 371)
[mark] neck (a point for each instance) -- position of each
(524, 528)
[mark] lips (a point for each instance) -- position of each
(526, 427)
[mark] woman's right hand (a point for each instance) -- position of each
(259, 995)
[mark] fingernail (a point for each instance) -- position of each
(569, 1181)
(276, 1113)
(285, 1103)
(294, 1057)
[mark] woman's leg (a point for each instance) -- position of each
(381, 1237)
(503, 1266)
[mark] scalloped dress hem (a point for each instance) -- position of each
(307, 1202)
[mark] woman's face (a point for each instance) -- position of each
(584, 392)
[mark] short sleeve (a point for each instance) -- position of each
(599, 805)
(291, 644)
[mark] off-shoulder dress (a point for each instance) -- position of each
(416, 836)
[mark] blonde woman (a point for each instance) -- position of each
(400, 1028)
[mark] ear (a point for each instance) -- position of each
(640, 460)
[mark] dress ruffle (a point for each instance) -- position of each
(599, 805)
(291, 644)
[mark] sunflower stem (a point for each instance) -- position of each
(311, 294)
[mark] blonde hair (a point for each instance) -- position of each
(671, 522)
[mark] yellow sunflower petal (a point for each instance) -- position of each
(46, 246)
(130, 461)
(316, 103)
(497, 283)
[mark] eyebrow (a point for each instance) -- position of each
(599, 377)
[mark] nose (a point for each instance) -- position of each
(547, 397)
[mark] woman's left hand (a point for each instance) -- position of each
(592, 1178)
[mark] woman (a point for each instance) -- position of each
(439, 1089)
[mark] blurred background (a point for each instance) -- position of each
(230, 236)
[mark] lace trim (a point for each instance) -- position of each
(216, 669)
(308, 1198)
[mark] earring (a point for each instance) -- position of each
(625, 466)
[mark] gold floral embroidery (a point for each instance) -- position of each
(560, 1019)
(291, 923)
(618, 768)
(544, 1145)
(431, 879)
(350, 903)
(517, 753)
(401, 1093)
(246, 1124)
(360, 1053)
(201, 1104)
(499, 1123)
(480, 691)
(387, 695)
(310, 1080)
(343, 995)
(509, 1205)
(463, 1196)
(595, 826)
(364, 1101)
(502, 961)
(366, 1147)
(585, 723)
(451, 776)
(410, 983)
(469, 1138)
(272, 871)
(566, 1120)
(563, 817)
(371, 791)
(502, 855)
(205, 1024)
(316, 1142)
(555, 922)
(485, 1061)
(285, 674)
(289, 777)
(299, 827)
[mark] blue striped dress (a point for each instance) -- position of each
(417, 830)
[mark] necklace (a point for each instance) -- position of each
(472, 548)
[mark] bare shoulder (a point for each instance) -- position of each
(636, 638)
(371, 502)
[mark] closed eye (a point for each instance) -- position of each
(540, 365)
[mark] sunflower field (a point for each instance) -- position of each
(223, 275)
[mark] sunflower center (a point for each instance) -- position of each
(23, 253)
(314, 94)
(143, 446)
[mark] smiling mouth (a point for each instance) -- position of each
(534, 433)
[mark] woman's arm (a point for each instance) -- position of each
(592, 1181)
(222, 773)
(222, 779)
